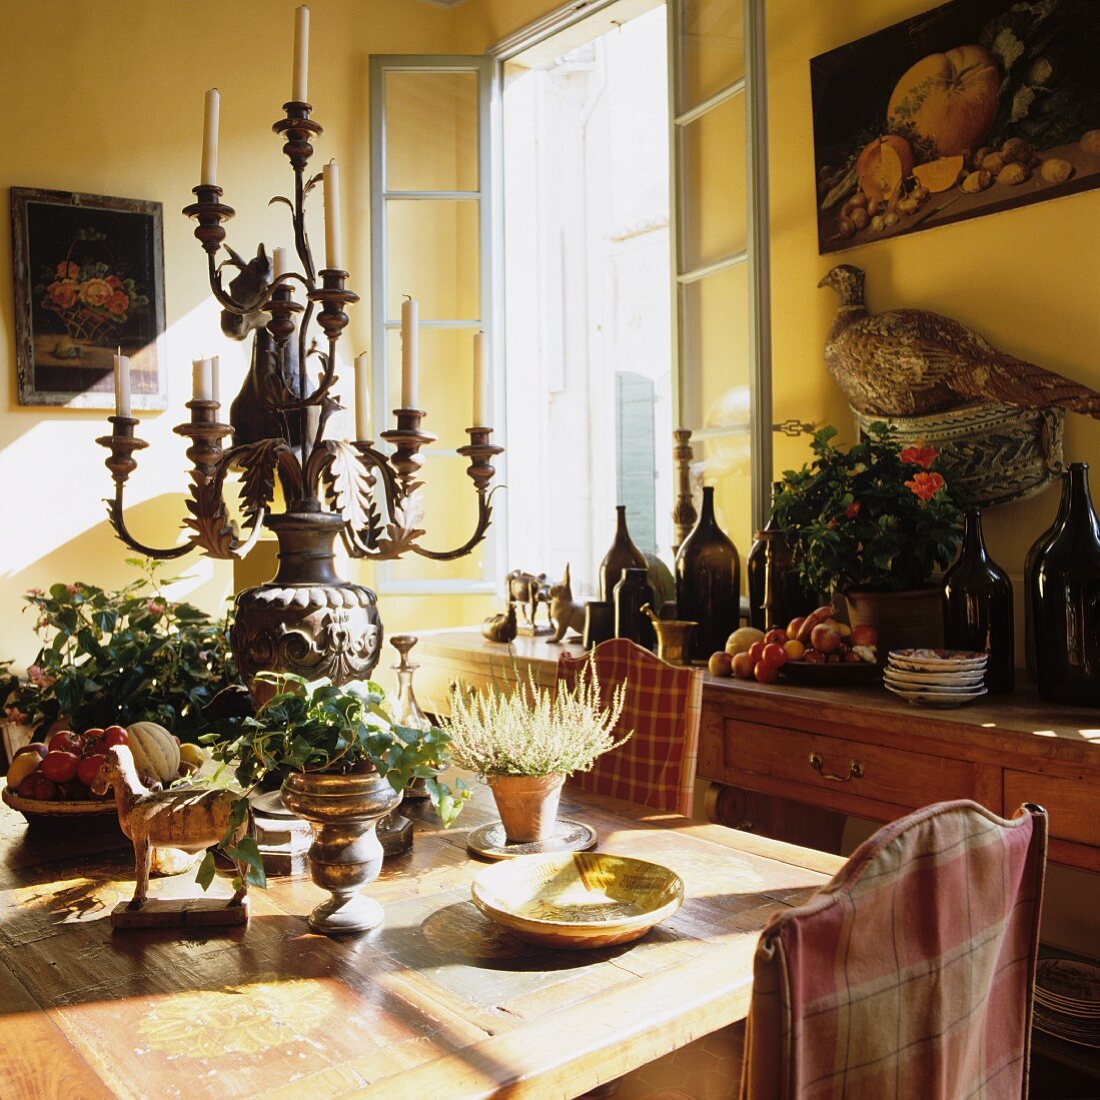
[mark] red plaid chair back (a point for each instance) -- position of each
(662, 705)
(911, 973)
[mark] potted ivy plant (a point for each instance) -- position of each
(346, 763)
(526, 739)
(872, 522)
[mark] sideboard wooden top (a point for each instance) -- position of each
(1021, 723)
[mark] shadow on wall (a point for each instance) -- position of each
(98, 557)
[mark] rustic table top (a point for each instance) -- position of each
(438, 1001)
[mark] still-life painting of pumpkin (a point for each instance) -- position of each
(88, 282)
(973, 107)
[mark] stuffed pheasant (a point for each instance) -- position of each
(908, 362)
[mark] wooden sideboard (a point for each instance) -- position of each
(792, 762)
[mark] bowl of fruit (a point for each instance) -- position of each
(812, 649)
(53, 779)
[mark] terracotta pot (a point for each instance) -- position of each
(343, 811)
(903, 620)
(527, 804)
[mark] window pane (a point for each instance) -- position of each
(446, 382)
(716, 350)
(714, 181)
(449, 504)
(712, 48)
(433, 255)
(431, 131)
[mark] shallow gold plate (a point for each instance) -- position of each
(578, 901)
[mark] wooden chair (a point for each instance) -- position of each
(910, 975)
(663, 706)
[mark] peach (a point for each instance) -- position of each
(720, 664)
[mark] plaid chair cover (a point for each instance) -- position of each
(910, 974)
(663, 704)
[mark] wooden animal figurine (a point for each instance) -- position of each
(566, 614)
(502, 627)
(908, 362)
(528, 590)
(186, 819)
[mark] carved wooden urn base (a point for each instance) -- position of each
(307, 620)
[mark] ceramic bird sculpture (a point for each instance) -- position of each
(909, 362)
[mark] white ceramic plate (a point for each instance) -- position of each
(902, 676)
(925, 660)
(941, 683)
(930, 699)
(1069, 981)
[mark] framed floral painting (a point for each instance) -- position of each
(89, 280)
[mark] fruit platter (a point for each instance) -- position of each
(53, 779)
(812, 649)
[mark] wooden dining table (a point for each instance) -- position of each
(436, 1002)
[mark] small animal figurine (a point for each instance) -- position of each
(909, 362)
(185, 819)
(528, 590)
(502, 627)
(566, 614)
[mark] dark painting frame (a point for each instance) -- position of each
(1047, 82)
(89, 279)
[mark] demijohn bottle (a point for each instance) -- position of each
(1030, 562)
(622, 555)
(631, 594)
(1066, 602)
(708, 582)
(977, 607)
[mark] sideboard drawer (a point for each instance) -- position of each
(1070, 802)
(847, 770)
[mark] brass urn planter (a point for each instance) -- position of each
(345, 855)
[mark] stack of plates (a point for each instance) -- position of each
(935, 677)
(1067, 1000)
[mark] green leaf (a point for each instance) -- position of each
(205, 874)
(246, 851)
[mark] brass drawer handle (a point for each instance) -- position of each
(855, 769)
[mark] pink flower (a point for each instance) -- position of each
(853, 509)
(926, 485)
(919, 456)
(35, 592)
(73, 589)
(14, 714)
(154, 607)
(38, 678)
(63, 294)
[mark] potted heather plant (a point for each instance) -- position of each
(872, 522)
(526, 739)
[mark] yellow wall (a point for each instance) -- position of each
(111, 104)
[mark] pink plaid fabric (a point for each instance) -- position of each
(663, 704)
(910, 974)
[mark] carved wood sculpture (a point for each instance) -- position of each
(502, 627)
(186, 819)
(908, 362)
(566, 614)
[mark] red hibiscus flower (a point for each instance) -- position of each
(919, 456)
(926, 485)
(852, 510)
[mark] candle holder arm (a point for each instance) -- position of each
(484, 518)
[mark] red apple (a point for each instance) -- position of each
(88, 769)
(65, 741)
(35, 747)
(775, 635)
(765, 674)
(824, 639)
(60, 766)
(114, 735)
(45, 790)
(812, 657)
(720, 664)
(774, 654)
(742, 666)
(864, 634)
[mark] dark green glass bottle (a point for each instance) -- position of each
(1030, 562)
(622, 555)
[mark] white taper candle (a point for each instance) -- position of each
(209, 175)
(278, 263)
(122, 385)
(410, 338)
(481, 378)
(301, 55)
(362, 396)
(334, 252)
(200, 379)
(215, 380)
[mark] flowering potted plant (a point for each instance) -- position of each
(525, 741)
(875, 518)
(346, 763)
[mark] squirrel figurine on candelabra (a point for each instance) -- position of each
(307, 620)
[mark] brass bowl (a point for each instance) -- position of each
(578, 901)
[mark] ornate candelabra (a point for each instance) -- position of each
(307, 619)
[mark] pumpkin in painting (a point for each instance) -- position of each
(882, 166)
(947, 102)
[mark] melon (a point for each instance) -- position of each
(156, 754)
(947, 101)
